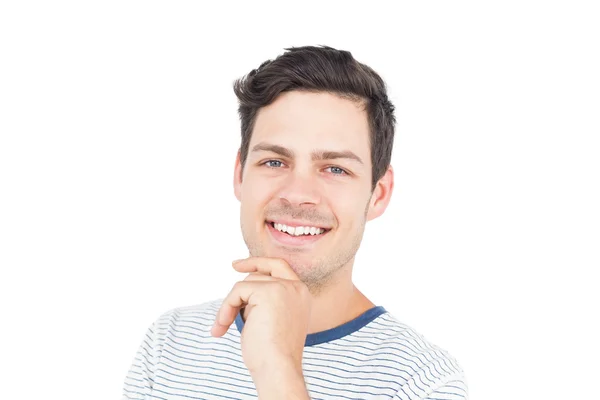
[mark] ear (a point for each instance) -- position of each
(237, 177)
(381, 195)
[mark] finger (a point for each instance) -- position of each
(218, 329)
(275, 267)
(257, 276)
(238, 297)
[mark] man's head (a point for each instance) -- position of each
(317, 138)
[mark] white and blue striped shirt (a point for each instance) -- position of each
(373, 356)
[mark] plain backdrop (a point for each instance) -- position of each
(118, 135)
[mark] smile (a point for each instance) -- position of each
(295, 236)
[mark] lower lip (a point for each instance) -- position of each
(290, 240)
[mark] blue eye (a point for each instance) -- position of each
(335, 170)
(271, 161)
(338, 169)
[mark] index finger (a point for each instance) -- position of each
(275, 267)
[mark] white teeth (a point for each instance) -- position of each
(299, 230)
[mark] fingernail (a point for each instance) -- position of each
(237, 261)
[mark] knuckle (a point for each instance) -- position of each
(301, 287)
(282, 262)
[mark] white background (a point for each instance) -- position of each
(119, 129)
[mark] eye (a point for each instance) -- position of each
(274, 164)
(338, 170)
(267, 163)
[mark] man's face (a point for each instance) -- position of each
(305, 187)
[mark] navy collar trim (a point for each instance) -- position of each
(333, 333)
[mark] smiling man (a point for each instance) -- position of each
(313, 167)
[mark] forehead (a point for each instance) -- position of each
(307, 120)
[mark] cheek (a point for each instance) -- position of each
(255, 196)
(350, 211)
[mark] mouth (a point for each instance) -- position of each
(299, 236)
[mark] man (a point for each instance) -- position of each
(312, 169)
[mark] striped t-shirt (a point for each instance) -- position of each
(373, 356)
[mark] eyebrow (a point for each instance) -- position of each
(316, 155)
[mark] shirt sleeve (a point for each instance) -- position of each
(455, 389)
(441, 379)
(140, 378)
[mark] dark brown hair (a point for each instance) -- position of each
(320, 69)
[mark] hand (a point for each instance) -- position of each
(277, 309)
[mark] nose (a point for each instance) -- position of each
(301, 189)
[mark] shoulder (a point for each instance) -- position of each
(428, 367)
(206, 309)
(197, 319)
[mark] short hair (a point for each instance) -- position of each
(320, 69)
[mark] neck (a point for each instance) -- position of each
(337, 303)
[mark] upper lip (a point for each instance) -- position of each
(295, 223)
